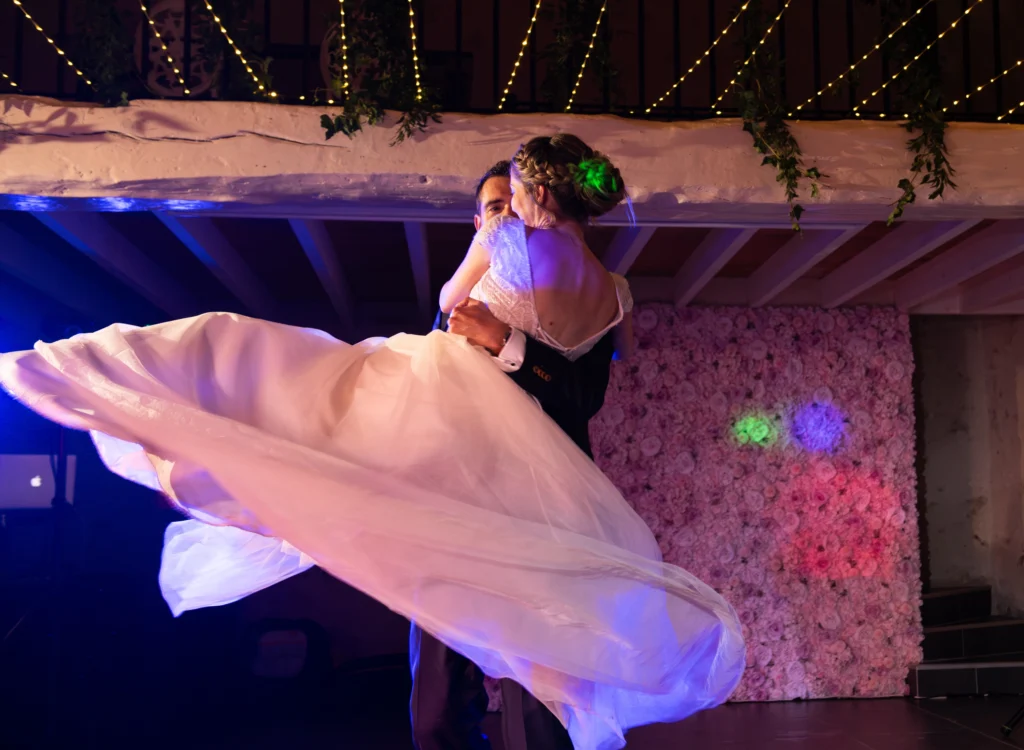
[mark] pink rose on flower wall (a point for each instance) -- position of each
(798, 540)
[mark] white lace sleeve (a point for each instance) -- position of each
(625, 296)
(507, 287)
(498, 233)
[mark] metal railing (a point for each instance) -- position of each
(469, 57)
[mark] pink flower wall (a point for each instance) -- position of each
(772, 453)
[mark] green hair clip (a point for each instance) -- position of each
(596, 175)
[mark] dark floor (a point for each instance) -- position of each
(965, 724)
(898, 724)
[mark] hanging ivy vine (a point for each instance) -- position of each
(573, 22)
(919, 97)
(763, 110)
(380, 65)
(248, 33)
(103, 47)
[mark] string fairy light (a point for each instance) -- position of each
(52, 43)
(8, 79)
(1010, 112)
(918, 56)
(985, 85)
(238, 52)
(415, 58)
(163, 46)
(344, 52)
(746, 62)
(519, 58)
(586, 57)
(870, 52)
(700, 59)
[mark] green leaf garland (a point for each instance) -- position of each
(763, 111)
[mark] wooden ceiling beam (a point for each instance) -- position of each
(725, 292)
(37, 268)
(209, 245)
(717, 249)
(316, 244)
(419, 259)
(899, 248)
(794, 259)
(625, 248)
(92, 235)
(962, 262)
(981, 297)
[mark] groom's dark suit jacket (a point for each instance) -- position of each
(571, 393)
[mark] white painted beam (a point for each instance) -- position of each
(194, 151)
(980, 297)
(34, 266)
(898, 249)
(419, 259)
(962, 262)
(707, 260)
(208, 244)
(316, 243)
(91, 234)
(626, 247)
(791, 261)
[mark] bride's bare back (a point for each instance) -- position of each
(547, 284)
(574, 294)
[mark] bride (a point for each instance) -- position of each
(416, 471)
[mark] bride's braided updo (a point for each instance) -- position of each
(584, 182)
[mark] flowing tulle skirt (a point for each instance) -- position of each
(417, 472)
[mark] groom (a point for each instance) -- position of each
(448, 698)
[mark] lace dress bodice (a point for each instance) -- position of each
(507, 286)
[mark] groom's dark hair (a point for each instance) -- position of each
(501, 169)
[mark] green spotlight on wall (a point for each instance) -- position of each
(756, 429)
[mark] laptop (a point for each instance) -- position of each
(27, 482)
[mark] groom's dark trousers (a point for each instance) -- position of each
(448, 697)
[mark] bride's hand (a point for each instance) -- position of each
(472, 319)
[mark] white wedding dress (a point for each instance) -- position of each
(413, 469)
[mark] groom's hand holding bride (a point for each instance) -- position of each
(472, 319)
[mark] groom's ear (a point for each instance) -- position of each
(476, 221)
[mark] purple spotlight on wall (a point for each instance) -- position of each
(819, 427)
